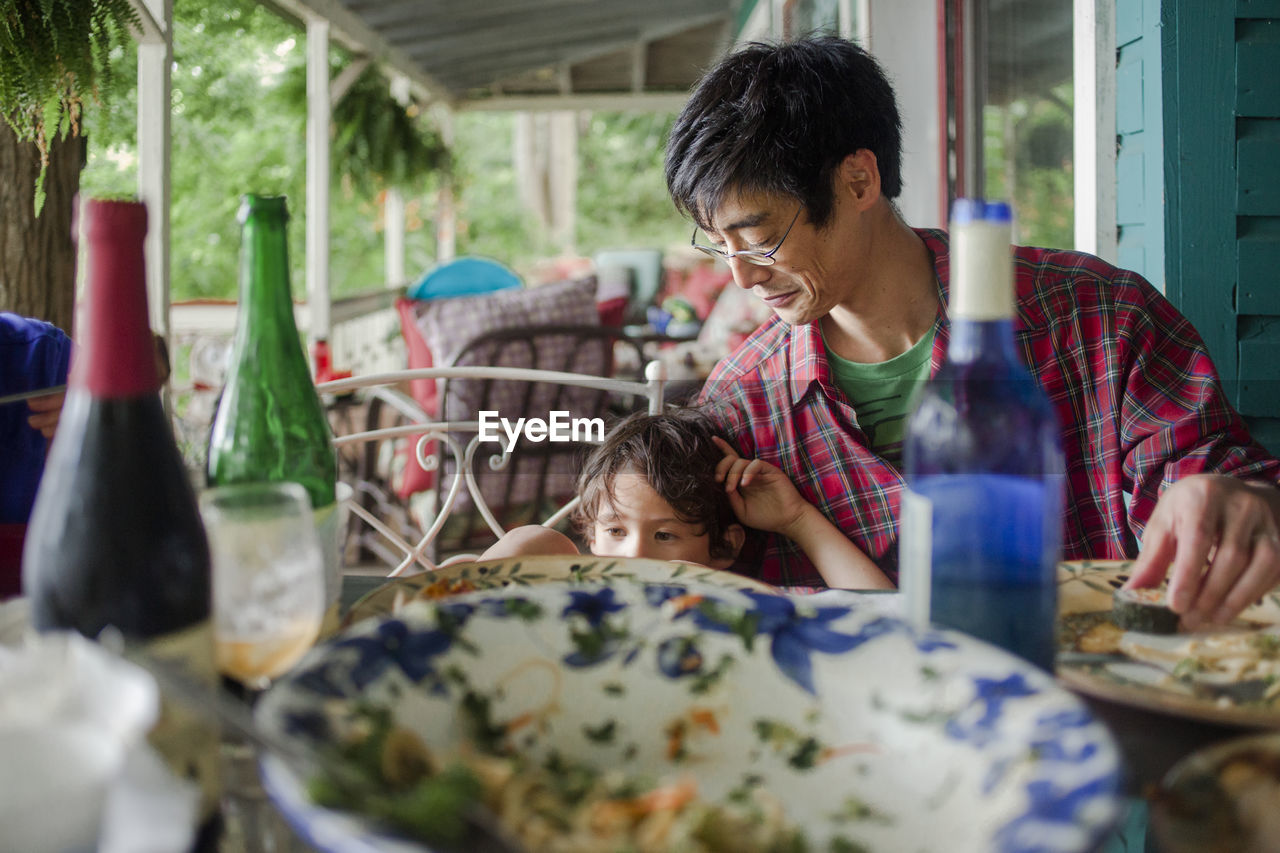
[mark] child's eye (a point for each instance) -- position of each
(665, 536)
(616, 532)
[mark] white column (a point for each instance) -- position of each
(155, 60)
(393, 209)
(446, 210)
(902, 37)
(563, 179)
(318, 112)
(1094, 46)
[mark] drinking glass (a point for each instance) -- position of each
(268, 578)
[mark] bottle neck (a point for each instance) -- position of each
(116, 357)
(980, 340)
(265, 299)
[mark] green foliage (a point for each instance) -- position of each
(491, 220)
(622, 193)
(239, 125)
(53, 55)
(1028, 151)
(380, 142)
(232, 134)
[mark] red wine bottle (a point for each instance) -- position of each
(115, 537)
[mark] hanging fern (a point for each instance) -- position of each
(54, 54)
(382, 143)
(378, 142)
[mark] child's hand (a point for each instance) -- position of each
(45, 412)
(761, 495)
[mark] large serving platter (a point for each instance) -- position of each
(459, 578)
(871, 735)
(1148, 678)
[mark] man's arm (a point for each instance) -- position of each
(1228, 525)
(1205, 494)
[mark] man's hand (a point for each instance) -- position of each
(1229, 525)
(760, 494)
(45, 412)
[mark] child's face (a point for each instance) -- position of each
(640, 523)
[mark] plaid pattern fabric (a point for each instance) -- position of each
(1139, 399)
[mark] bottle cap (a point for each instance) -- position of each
(966, 210)
(117, 356)
(981, 265)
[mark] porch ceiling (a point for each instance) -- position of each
(527, 54)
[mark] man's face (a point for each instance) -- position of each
(807, 278)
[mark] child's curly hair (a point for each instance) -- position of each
(674, 453)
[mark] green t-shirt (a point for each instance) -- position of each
(882, 393)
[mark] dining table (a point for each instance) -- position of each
(1150, 742)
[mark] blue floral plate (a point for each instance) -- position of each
(871, 736)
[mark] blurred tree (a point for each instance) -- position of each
(54, 56)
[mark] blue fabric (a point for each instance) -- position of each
(33, 354)
(464, 277)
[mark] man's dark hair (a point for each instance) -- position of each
(674, 453)
(779, 119)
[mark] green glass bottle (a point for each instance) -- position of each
(270, 425)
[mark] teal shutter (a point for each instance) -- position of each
(1140, 140)
(1221, 84)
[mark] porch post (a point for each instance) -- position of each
(155, 60)
(393, 208)
(1094, 61)
(318, 113)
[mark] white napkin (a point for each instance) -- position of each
(73, 704)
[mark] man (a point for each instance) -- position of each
(787, 158)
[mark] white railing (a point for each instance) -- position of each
(365, 339)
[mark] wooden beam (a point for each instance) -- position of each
(471, 14)
(346, 77)
(349, 31)
(482, 69)
(639, 55)
(449, 39)
(155, 146)
(152, 31)
(651, 102)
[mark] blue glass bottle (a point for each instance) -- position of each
(982, 513)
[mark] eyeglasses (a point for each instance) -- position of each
(751, 256)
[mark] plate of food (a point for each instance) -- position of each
(1222, 799)
(1127, 647)
(458, 578)
(684, 716)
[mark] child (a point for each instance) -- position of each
(667, 487)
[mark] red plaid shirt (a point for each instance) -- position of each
(1139, 399)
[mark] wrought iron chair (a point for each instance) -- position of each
(528, 477)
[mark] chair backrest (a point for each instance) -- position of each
(463, 456)
(537, 476)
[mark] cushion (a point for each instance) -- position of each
(465, 276)
(412, 477)
(448, 325)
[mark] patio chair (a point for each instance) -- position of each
(498, 485)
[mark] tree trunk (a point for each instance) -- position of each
(38, 254)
